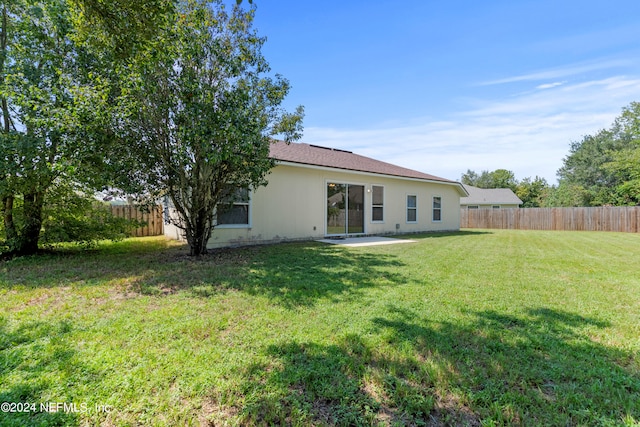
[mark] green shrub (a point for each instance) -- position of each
(72, 215)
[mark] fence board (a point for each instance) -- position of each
(154, 221)
(622, 219)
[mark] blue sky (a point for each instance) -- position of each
(446, 86)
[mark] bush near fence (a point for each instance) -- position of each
(623, 219)
(152, 218)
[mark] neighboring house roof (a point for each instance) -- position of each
(489, 196)
(341, 159)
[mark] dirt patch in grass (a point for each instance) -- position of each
(386, 414)
(237, 256)
(39, 300)
(212, 413)
(449, 411)
(50, 299)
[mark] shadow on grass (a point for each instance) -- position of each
(540, 368)
(291, 274)
(34, 359)
(73, 266)
(300, 274)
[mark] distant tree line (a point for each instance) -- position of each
(600, 170)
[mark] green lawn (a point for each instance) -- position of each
(471, 328)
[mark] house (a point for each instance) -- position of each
(489, 198)
(316, 192)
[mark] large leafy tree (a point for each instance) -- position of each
(563, 195)
(532, 192)
(583, 169)
(43, 98)
(602, 169)
(625, 163)
(119, 27)
(198, 113)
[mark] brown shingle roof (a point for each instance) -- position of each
(330, 157)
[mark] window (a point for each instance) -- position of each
(233, 209)
(496, 206)
(472, 207)
(377, 203)
(437, 208)
(412, 208)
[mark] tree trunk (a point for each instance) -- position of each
(27, 241)
(11, 233)
(200, 234)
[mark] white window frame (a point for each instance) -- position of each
(433, 208)
(415, 208)
(249, 205)
(378, 221)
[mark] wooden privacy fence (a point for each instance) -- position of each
(624, 219)
(153, 218)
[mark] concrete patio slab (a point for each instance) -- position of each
(365, 241)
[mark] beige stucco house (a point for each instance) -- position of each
(316, 192)
(489, 198)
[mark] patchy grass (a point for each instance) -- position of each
(471, 328)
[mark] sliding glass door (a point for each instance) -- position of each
(355, 209)
(345, 209)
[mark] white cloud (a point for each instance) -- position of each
(556, 73)
(550, 85)
(528, 134)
